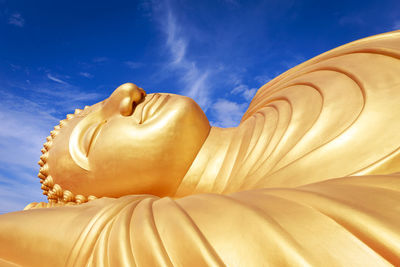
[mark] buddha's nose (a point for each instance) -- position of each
(124, 99)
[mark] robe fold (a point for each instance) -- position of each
(350, 221)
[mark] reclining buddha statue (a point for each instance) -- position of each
(310, 177)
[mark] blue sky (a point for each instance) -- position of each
(56, 56)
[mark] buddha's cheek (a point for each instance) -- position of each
(135, 161)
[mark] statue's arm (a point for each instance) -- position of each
(5, 263)
(43, 237)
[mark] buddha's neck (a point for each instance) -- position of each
(216, 163)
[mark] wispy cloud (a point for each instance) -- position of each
(227, 113)
(71, 95)
(193, 78)
(99, 59)
(57, 80)
(200, 79)
(56, 94)
(176, 42)
(64, 98)
(15, 195)
(245, 91)
(27, 117)
(23, 121)
(86, 74)
(262, 79)
(25, 124)
(133, 65)
(15, 67)
(17, 20)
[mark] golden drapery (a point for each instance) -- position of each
(335, 115)
(351, 221)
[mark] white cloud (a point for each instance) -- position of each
(262, 79)
(196, 86)
(23, 131)
(86, 74)
(15, 196)
(27, 117)
(17, 20)
(193, 78)
(249, 93)
(175, 41)
(70, 94)
(193, 75)
(244, 91)
(25, 124)
(64, 98)
(54, 79)
(239, 88)
(227, 113)
(133, 65)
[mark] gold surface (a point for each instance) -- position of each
(307, 178)
(128, 144)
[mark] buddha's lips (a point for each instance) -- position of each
(150, 107)
(142, 107)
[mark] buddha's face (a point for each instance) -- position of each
(131, 143)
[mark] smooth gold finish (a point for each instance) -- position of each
(310, 177)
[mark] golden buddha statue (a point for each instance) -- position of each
(308, 178)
